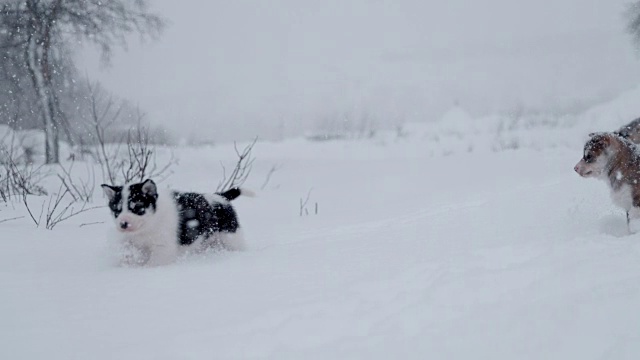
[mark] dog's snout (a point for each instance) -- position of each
(124, 225)
(579, 168)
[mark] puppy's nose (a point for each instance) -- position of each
(124, 225)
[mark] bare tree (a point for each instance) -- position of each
(42, 30)
(20, 179)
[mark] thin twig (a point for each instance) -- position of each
(11, 219)
(242, 169)
(273, 169)
(91, 223)
(303, 203)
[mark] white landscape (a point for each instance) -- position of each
(412, 163)
(419, 249)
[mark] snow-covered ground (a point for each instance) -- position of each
(474, 254)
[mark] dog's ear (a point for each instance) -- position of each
(110, 191)
(149, 188)
(609, 140)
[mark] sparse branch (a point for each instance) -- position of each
(124, 156)
(141, 162)
(17, 178)
(11, 219)
(241, 170)
(79, 188)
(303, 203)
(270, 173)
(57, 209)
(91, 223)
(109, 22)
(35, 220)
(100, 125)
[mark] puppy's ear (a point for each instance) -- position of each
(610, 139)
(110, 191)
(149, 188)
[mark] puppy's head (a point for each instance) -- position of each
(597, 152)
(132, 205)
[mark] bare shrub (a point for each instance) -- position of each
(141, 160)
(18, 178)
(124, 156)
(241, 170)
(79, 188)
(59, 208)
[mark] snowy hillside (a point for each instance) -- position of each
(480, 254)
(457, 132)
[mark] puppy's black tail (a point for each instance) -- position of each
(234, 193)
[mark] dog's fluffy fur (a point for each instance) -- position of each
(615, 159)
(159, 224)
(631, 131)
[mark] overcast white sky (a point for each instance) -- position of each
(234, 69)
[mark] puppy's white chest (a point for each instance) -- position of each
(622, 197)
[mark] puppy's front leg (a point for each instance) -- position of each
(233, 241)
(632, 214)
(162, 254)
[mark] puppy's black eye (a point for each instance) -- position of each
(138, 210)
(588, 158)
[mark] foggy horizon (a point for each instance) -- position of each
(241, 69)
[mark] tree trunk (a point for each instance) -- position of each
(38, 64)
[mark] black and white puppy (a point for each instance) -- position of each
(160, 223)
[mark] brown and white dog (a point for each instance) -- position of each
(615, 159)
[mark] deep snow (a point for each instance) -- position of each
(484, 255)
(465, 238)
